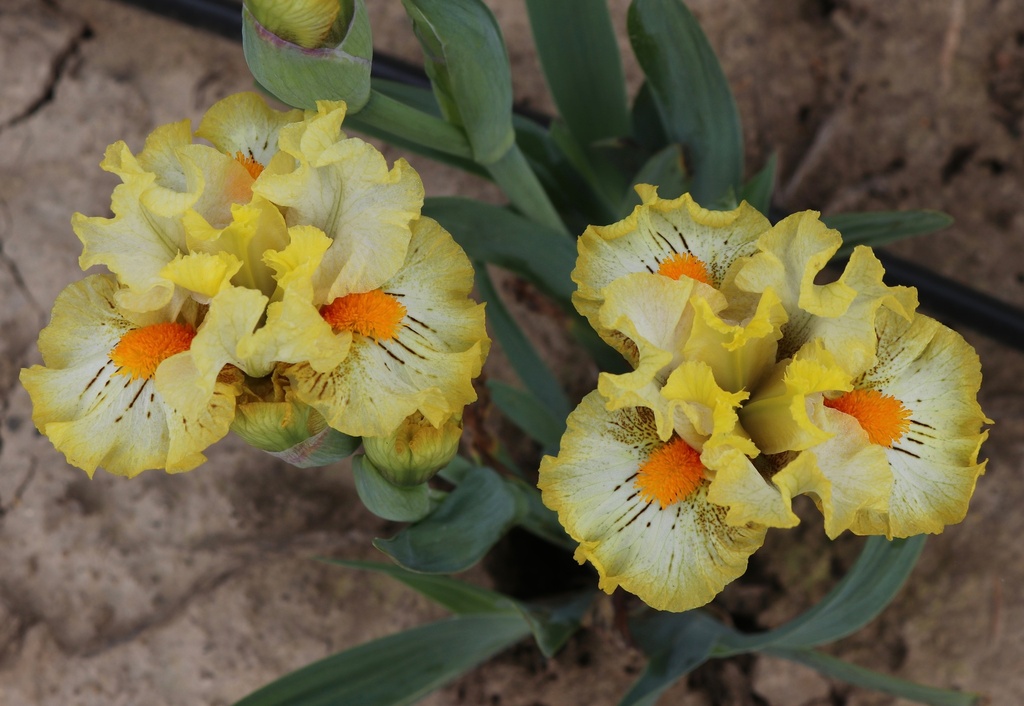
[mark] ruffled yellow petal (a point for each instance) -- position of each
(343, 187)
(254, 229)
(203, 274)
(648, 318)
(741, 353)
(135, 244)
(186, 176)
(318, 130)
(225, 181)
(790, 256)
(741, 488)
(778, 415)
(674, 558)
(186, 381)
(429, 362)
(710, 409)
(845, 475)
(840, 314)
(936, 376)
(295, 332)
(244, 125)
(725, 448)
(98, 416)
(168, 179)
(178, 182)
(658, 232)
(295, 266)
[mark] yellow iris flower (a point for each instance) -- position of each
(910, 427)
(288, 260)
(637, 503)
(413, 344)
(129, 391)
(751, 384)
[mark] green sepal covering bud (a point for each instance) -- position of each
(464, 56)
(414, 452)
(383, 499)
(336, 68)
(289, 430)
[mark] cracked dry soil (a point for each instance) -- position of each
(169, 591)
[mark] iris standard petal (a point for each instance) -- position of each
(242, 125)
(673, 236)
(841, 313)
(344, 187)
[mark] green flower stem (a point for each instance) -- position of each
(513, 174)
(397, 118)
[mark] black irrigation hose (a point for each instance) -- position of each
(950, 300)
(217, 16)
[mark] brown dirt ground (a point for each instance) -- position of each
(199, 588)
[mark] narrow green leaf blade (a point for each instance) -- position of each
(863, 593)
(398, 669)
(460, 531)
(868, 679)
(422, 99)
(405, 504)
(758, 191)
(419, 101)
(514, 174)
(554, 621)
(457, 596)
(876, 228)
(404, 125)
(464, 55)
(527, 363)
(666, 171)
(676, 644)
(493, 234)
(690, 89)
(871, 584)
(592, 164)
(526, 412)
(646, 125)
(536, 517)
(570, 193)
(582, 66)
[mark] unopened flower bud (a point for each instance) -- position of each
(303, 51)
(291, 431)
(415, 451)
(302, 22)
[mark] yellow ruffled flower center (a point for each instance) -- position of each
(677, 265)
(883, 417)
(141, 350)
(376, 314)
(249, 162)
(670, 474)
